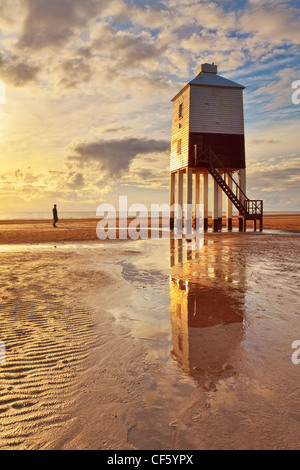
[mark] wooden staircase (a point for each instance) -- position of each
(249, 209)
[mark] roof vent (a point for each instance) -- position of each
(206, 68)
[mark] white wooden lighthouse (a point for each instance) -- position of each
(208, 142)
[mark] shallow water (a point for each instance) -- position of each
(220, 322)
(215, 327)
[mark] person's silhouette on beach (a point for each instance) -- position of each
(55, 218)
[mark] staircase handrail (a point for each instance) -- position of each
(258, 203)
(238, 188)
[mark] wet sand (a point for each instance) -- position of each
(77, 230)
(145, 345)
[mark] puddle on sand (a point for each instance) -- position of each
(189, 305)
(217, 325)
(219, 322)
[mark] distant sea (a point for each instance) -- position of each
(80, 215)
(47, 215)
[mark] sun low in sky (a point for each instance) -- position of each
(87, 111)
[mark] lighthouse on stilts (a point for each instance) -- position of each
(208, 142)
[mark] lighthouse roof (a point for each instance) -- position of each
(212, 79)
(206, 75)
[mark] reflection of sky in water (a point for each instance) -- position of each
(216, 328)
(147, 314)
(182, 307)
(204, 310)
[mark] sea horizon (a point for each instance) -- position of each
(46, 215)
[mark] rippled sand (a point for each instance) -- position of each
(48, 332)
(145, 345)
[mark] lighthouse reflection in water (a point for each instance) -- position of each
(207, 297)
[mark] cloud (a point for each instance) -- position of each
(75, 181)
(53, 23)
(262, 141)
(113, 156)
(280, 173)
(115, 130)
(17, 71)
(277, 23)
(18, 174)
(126, 49)
(74, 72)
(278, 93)
(98, 71)
(254, 33)
(33, 185)
(7, 7)
(150, 178)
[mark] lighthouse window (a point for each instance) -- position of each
(178, 147)
(180, 110)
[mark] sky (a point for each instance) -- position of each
(88, 86)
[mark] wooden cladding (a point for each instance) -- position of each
(208, 116)
(180, 131)
(215, 109)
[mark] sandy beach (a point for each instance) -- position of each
(145, 344)
(76, 230)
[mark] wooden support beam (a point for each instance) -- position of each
(242, 184)
(189, 201)
(172, 199)
(241, 224)
(179, 200)
(220, 207)
(215, 205)
(196, 195)
(205, 198)
(228, 205)
(172, 252)
(179, 250)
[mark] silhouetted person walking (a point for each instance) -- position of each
(55, 218)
